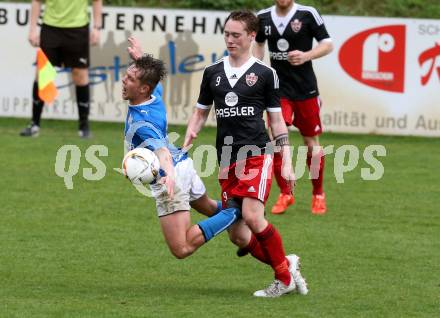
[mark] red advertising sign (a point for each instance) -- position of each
(376, 57)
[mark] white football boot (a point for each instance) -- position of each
(276, 289)
(300, 282)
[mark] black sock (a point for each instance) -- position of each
(37, 105)
(83, 101)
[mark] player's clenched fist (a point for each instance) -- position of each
(297, 57)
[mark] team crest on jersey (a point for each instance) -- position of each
(251, 79)
(296, 25)
(231, 99)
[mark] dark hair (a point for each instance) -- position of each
(247, 17)
(151, 70)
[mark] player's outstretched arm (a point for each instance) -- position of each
(195, 124)
(134, 49)
(166, 163)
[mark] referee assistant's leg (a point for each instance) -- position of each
(80, 77)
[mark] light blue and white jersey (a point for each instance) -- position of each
(146, 126)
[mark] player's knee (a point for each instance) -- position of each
(80, 77)
(255, 223)
(238, 238)
(311, 143)
(181, 252)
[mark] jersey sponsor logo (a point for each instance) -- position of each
(296, 25)
(235, 112)
(144, 111)
(233, 76)
(251, 79)
(282, 45)
(231, 99)
(376, 57)
(279, 56)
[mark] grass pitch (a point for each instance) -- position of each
(97, 250)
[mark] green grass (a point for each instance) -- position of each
(97, 250)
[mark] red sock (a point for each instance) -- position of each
(317, 175)
(282, 183)
(254, 248)
(272, 244)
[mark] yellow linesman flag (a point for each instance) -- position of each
(46, 76)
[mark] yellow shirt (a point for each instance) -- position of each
(66, 13)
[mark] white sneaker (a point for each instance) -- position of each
(300, 282)
(276, 289)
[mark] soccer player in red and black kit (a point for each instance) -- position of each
(289, 29)
(242, 88)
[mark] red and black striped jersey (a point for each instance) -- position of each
(240, 97)
(295, 31)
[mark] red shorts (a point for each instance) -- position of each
(304, 114)
(250, 178)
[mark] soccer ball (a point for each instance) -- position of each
(141, 165)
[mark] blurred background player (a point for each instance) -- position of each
(179, 188)
(65, 38)
(242, 88)
(289, 29)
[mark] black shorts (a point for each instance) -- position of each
(68, 47)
